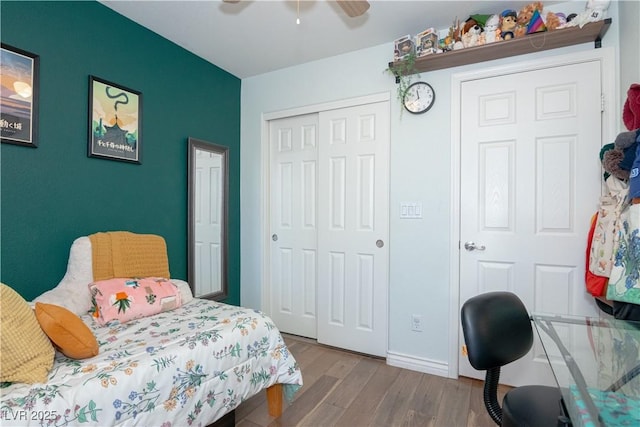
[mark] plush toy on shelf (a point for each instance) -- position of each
(492, 29)
(553, 20)
(509, 23)
(453, 37)
(468, 24)
(529, 19)
(595, 10)
(473, 37)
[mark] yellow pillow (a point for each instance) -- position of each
(26, 354)
(67, 331)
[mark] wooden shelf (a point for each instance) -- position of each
(591, 32)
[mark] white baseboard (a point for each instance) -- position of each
(413, 363)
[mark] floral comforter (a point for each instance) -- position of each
(189, 366)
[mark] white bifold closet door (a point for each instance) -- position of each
(329, 207)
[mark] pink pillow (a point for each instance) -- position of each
(128, 299)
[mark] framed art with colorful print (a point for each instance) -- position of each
(115, 122)
(19, 79)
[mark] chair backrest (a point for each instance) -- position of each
(497, 329)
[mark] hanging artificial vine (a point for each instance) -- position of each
(404, 72)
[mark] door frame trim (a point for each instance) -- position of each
(606, 58)
(266, 173)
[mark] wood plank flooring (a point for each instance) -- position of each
(353, 390)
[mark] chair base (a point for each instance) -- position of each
(532, 406)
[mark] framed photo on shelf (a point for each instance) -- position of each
(115, 122)
(19, 76)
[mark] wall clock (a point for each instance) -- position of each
(419, 98)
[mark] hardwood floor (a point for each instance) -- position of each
(347, 389)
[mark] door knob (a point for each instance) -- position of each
(274, 237)
(380, 243)
(470, 246)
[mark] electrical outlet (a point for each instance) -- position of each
(416, 322)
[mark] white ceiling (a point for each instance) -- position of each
(257, 36)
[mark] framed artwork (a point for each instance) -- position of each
(115, 122)
(19, 79)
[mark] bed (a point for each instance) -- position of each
(191, 365)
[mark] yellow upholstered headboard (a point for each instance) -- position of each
(117, 254)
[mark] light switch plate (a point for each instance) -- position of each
(410, 210)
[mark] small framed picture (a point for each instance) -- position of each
(19, 78)
(115, 122)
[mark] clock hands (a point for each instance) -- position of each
(415, 102)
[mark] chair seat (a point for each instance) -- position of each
(531, 406)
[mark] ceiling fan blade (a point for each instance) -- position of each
(354, 8)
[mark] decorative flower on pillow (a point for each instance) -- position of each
(121, 300)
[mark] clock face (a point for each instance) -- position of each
(419, 98)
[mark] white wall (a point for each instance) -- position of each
(629, 47)
(420, 172)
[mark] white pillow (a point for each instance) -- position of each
(185, 290)
(73, 293)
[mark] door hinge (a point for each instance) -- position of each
(602, 102)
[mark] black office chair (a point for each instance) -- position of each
(497, 331)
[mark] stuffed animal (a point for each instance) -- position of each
(468, 24)
(453, 36)
(554, 21)
(472, 31)
(536, 23)
(473, 37)
(492, 29)
(595, 10)
(529, 19)
(481, 19)
(508, 24)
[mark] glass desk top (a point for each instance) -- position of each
(596, 363)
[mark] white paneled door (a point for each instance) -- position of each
(293, 196)
(208, 212)
(530, 182)
(329, 217)
(353, 218)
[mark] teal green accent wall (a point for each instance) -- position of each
(55, 193)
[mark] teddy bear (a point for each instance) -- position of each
(553, 21)
(529, 20)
